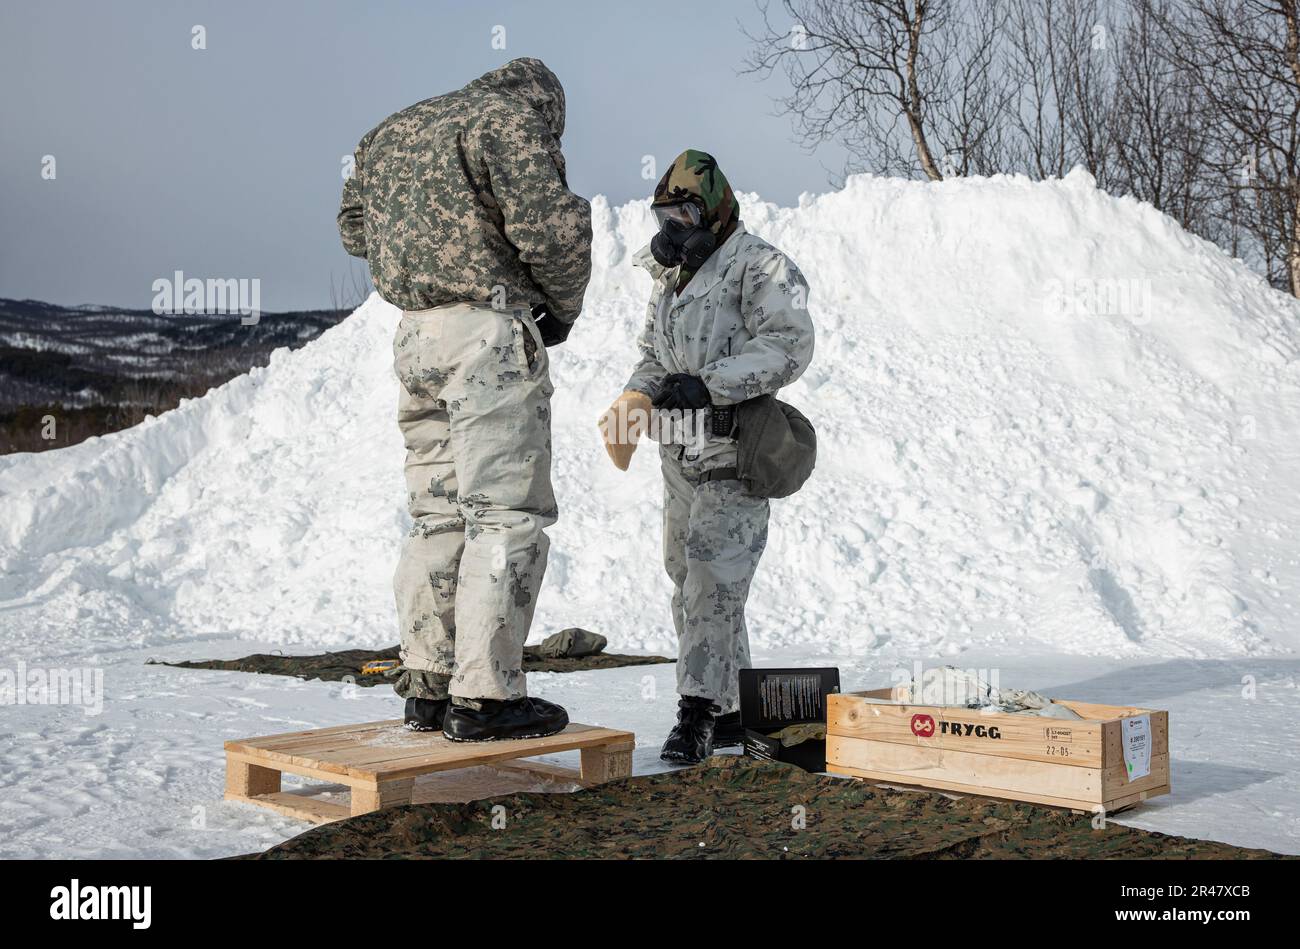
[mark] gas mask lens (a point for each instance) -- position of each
(685, 214)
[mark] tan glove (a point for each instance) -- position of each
(623, 425)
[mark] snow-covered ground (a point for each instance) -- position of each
(144, 779)
(1060, 438)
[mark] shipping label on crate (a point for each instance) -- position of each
(1137, 746)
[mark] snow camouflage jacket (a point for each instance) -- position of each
(741, 325)
(463, 198)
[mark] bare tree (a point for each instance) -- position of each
(1061, 116)
(907, 86)
(1160, 151)
(1091, 84)
(968, 90)
(1035, 62)
(1244, 59)
(1191, 105)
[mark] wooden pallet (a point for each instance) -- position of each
(379, 764)
(1069, 763)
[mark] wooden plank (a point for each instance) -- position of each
(1026, 737)
(309, 747)
(309, 767)
(382, 754)
(1160, 733)
(329, 748)
(306, 771)
(300, 806)
(992, 776)
(335, 752)
(267, 741)
(1091, 711)
(480, 782)
(1122, 803)
(1101, 713)
(538, 768)
(977, 773)
(931, 784)
(444, 755)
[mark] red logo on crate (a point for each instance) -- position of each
(922, 726)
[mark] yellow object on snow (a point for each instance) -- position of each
(623, 425)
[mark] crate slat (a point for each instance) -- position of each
(924, 764)
(1071, 743)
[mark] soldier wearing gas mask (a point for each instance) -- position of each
(727, 321)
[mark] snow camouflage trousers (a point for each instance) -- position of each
(714, 535)
(474, 410)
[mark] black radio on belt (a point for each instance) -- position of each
(724, 419)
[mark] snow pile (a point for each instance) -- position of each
(1049, 419)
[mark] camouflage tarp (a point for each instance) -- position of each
(737, 807)
(336, 666)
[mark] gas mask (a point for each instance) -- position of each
(681, 238)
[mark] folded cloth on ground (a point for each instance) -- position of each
(793, 735)
(571, 643)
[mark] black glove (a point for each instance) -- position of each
(682, 391)
(553, 331)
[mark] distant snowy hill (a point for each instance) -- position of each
(77, 356)
(1050, 420)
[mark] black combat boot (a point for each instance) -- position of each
(490, 719)
(691, 740)
(426, 715)
(727, 732)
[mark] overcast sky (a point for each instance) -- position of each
(225, 162)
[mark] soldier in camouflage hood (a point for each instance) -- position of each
(463, 197)
(727, 322)
(461, 207)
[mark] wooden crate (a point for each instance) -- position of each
(379, 764)
(1076, 763)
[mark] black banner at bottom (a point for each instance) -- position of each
(326, 899)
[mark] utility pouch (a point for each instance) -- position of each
(776, 447)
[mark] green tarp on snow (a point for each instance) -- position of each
(731, 807)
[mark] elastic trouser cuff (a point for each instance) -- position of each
(491, 691)
(719, 705)
(421, 684)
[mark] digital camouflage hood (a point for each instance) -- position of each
(694, 176)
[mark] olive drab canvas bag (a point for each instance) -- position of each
(776, 447)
